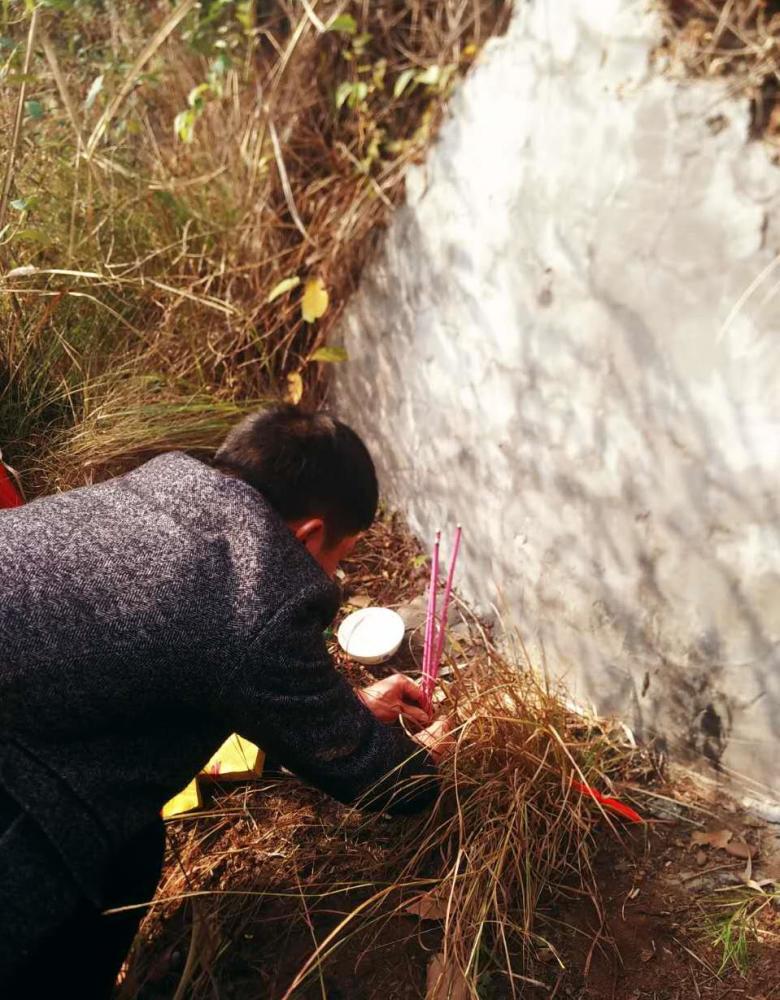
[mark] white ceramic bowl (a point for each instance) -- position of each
(371, 635)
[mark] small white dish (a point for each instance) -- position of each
(371, 635)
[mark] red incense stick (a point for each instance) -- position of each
(430, 623)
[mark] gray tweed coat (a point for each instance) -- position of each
(141, 622)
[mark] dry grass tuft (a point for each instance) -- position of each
(739, 39)
(508, 834)
(514, 831)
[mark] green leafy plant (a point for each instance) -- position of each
(198, 97)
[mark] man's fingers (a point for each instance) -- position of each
(418, 715)
(410, 689)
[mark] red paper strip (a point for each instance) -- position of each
(609, 803)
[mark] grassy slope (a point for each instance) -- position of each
(145, 323)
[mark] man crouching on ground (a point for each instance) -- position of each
(144, 620)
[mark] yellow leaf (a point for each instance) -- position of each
(330, 354)
(294, 388)
(315, 300)
(284, 286)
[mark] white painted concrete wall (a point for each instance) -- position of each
(570, 341)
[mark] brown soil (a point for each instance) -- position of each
(648, 942)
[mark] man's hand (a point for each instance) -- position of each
(437, 738)
(395, 696)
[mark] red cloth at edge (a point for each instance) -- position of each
(9, 495)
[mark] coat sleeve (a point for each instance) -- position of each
(291, 700)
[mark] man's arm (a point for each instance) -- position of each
(288, 697)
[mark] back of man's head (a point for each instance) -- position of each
(305, 465)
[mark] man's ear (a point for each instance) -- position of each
(311, 533)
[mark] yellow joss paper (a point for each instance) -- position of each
(185, 801)
(236, 760)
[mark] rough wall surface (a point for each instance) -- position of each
(570, 342)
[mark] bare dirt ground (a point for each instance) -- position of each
(660, 896)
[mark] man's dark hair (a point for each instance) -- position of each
(305, 465)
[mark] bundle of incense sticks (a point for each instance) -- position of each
(435, 631)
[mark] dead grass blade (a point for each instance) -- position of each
(16, 135)
(169, 25)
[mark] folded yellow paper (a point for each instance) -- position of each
(236, 760)
(185, 801)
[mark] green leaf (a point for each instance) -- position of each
(220, 66)
(343, 92)
(196, 95)
(446, 75)
(345, 23)
(286, 285)
(32, 236)
(403, 82)
(25, 204)
(378, 75)
(332, 355)
(359, 94)
(429, 77)
(245, 14)
(95, 87)
(33, 109)
(17, 79)
(184, 125)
